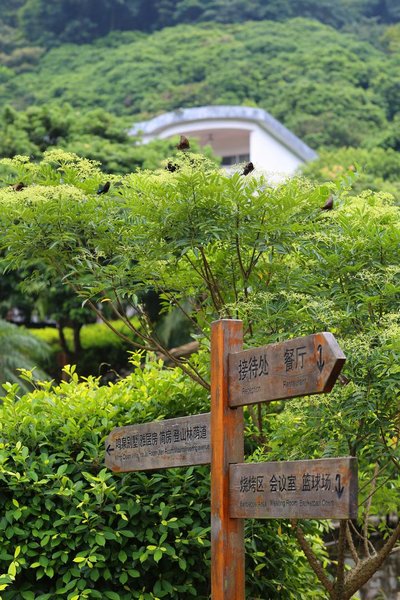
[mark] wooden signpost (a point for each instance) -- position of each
(227, 435)
(320, 489)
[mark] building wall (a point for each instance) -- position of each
(271, 156)
(230, 137)
(236, 133)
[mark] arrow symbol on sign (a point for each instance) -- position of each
(339, 489)
(109, 449)
(320, 362)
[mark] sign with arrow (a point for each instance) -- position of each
(318, 489)
(297, 367)
(160, 444)
(304, 489)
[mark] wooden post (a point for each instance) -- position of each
(227, 447)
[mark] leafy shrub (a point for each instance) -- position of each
(377, 168)
(70, 528)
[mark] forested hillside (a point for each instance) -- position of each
(329, 87)
(47, 23)
(334, 79)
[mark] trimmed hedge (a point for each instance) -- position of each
(102, 350)
(72, 529)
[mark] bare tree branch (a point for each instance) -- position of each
(312, 559)
(367, 510)
(366, 568)
(350, 543)
(362, 537)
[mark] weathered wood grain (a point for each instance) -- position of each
(160, 444)
(297, 367)
(227, 536)
(305, 489)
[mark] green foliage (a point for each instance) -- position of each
(391, 38)
(215, 246)
(329, 87)
(376, 169)
(96, 134)
(15, 51)
(103, 352)
(72, 529)
(64, 21)
(19, 351)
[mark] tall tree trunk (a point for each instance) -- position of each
(76, 327)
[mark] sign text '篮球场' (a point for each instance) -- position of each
(304, 489)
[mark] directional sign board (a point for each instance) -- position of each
(305, 489)
(160, 444)
(297, 367)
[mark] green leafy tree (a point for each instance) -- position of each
(213, 246)
(96, 134)
(369, 169)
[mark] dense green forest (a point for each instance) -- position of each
(77, 75)
(332, 77)
(330, 87)
(49, 23)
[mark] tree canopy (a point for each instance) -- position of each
(331, 88)
(81, 22)
(216, 245)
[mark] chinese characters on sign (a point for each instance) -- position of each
(160, 444)
(322, 488)
(287, 483)
(166, 436)
(294, 358)
(298, 367)
(253, 367)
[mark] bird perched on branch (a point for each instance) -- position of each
(171, 167)
(103, 189)
(328, 204)
(248, 168)
(18, 186)
(183, 143)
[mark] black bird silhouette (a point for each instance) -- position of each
(248, 168)
(171, 167)
(328, 204)
(183, 143)
(18, 186)
(103, 189)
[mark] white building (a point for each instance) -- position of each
(236, 134)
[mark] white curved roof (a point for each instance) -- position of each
(155, 126)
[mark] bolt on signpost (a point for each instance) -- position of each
(322, 488)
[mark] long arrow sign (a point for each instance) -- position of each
(160, 444)
(297, 367)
